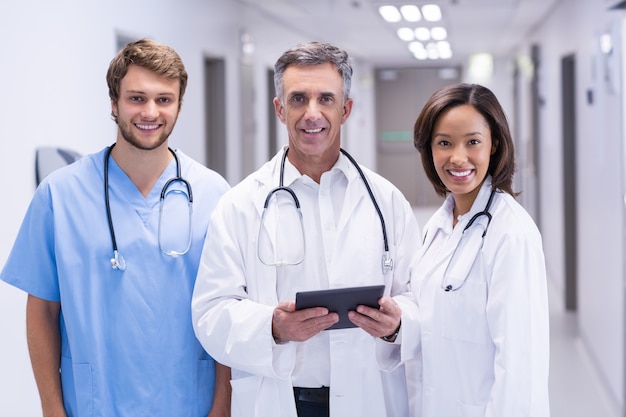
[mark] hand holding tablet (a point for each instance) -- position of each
(340, 301)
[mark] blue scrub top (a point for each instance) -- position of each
(128, 346)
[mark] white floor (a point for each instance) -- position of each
(576, 389)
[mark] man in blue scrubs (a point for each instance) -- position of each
(110, 264)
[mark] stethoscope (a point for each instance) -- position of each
(477, 244)
(387, 261)
(118, 262)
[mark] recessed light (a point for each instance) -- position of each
(431, 12)
(406, 34)
(390, 13)
(411, 13)
(439, 33)
(422, 34)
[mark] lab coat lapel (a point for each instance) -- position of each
(465, 245)
(465, 253)
(268, 178)
(354, 196)
(440, 222)
(355, 193)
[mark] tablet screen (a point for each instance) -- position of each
(340, 301)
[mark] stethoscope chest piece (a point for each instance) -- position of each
(118, 262)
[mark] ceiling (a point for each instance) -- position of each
(494, 26)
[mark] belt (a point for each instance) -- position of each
(312, 395)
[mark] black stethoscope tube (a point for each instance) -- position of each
(114, 261)
(485, 212)
(118, 262)
(387, 262)
(371, 193)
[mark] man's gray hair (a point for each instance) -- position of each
(314, 53)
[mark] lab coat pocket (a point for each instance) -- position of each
(465, 317)
(244, 395)
(466, 410)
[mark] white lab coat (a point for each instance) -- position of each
(235, 296)
(484, 347)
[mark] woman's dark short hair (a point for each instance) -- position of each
(502, 161)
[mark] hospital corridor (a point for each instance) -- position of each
(557, 68)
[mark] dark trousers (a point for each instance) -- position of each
(312, 402)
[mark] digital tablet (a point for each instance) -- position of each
(340, 301)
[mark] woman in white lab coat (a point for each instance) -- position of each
(480, 279)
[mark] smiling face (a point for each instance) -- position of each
(147, 108)
(313, 109)
(461, 148)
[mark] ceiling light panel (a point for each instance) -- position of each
(391, 14)
(431, 12)
(438, 33)
(428, 41)
(422, 34)
(406, 34)
(411, 13)
(416, 47)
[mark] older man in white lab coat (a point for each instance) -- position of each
(283, 361)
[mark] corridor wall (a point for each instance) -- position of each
(576, 27)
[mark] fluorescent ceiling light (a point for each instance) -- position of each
(431, 12)
(445, 54)
(390, 13)
(421, 55)
(439, 33)
(416, 47)
(443, 45)
(422, 34)
(411, 13)
(437, 47)
(433, 52)
(606, 44)
(418, 50)
(480, 67)
(406, 34)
